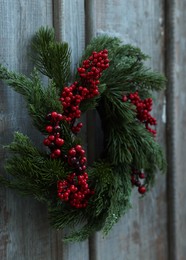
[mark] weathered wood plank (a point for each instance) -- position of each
(171, 129)
(69, 19)
(69, 24)
(178, 72)
(90, 29)
(142, 233)
(24, 228)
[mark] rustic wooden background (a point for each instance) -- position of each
(155, 229)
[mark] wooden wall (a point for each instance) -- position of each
(155, 228)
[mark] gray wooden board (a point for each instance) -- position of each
(69, 19)
(141, 233)
(24, 227)
(180, 124)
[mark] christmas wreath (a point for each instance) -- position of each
(112, 79)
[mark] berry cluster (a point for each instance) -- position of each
(136, 178)
(77, 159)
(70, 100)
(143, 108)
(54, 140)
(75, 190)
(91, 71)
(86, 88)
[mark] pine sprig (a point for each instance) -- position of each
(119, 198)
(33, 172)
(40, 100)
(61, 217)
(52, 58)
(126, 65)
(127, 136)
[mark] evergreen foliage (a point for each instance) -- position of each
(127, 143)
(40, 99)
(52, 58)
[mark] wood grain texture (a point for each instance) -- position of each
(69, 17)
(69, 23)
(141, 233)
(24, 227)
(180, 124)
(170, 71)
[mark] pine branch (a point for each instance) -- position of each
(127, 71)
(60, 217)
(100, 43)
(22, 145)
(126, 140)
(40, 100)
(113, 190)
(32, 171)
(52, 58)
(119, 198)
(19, 82)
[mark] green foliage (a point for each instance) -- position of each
(126, 65)
(110, 202)
(127, 71)
(89, 104)
(40, 100)
(52, 58)
(127, 143)
(60, 217)
(113, 190)
(32, 171)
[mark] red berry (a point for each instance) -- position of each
(51, 137)
(142, 189)
(54, 114)
(142, 175)
(59, 141)
(84, 159)
(85, 175)
(82, 152)
(72, 188)
(66, 194)
(78, 148)
(124, 98)
(57, 152)
(96, 92)
(49, 128)
(72, 152)
(46, 142)
(80, 125)
(60, 117)
(75, 130)
(84, 167)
